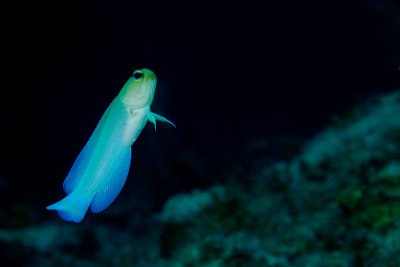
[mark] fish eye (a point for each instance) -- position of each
(137, 75)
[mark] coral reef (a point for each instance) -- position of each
(335, 204)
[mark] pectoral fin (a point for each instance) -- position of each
(153, 117)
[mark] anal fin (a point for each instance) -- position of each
(116, 180)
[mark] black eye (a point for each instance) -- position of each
(137, 75)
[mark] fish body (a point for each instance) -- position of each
(100, 171)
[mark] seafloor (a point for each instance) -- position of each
(334, 203)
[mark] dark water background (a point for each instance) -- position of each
(230, 73)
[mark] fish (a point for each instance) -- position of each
(101, 169)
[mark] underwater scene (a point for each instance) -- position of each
(200, 134)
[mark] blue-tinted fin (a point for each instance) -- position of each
(117, 179)
(153, 117)
(79, 167)
(73, 207)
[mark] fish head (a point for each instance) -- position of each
(139, 90)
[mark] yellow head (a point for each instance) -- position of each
(138, 91)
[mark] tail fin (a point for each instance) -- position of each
(73, 207)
